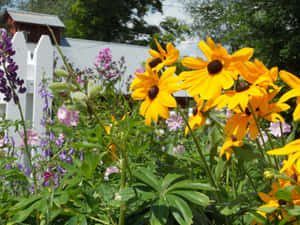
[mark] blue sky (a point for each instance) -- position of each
(175, 8)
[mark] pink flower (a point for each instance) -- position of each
(174, 122)
(275, 128)
(178, 149)
(67, 117)
(32, 137)
(140, 70)
(110, 170)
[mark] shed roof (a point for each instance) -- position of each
(35, 18)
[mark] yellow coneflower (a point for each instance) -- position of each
(219, 72)
(156, 93)
(228, 144)
(294, 83)
(161, 57)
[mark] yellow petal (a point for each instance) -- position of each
(243, 54)
(290, 94)
(206, 50)
(194, 63)
(290, 79)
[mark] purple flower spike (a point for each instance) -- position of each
(8, 76)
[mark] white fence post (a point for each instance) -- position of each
(43, 68)
(12, 112)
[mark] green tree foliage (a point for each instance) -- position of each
(118, 20)
(272, 27)
(55, 7)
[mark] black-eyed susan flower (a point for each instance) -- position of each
(239, 97)
(228, 144)
(156, 93)
(161, 57)
(209, 77)
(243, 120)
(294, 83)
(257, 73)
(197, 119)
(292, 149)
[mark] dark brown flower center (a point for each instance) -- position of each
(195, 111)
(153, 91)
(294, 177)
(214, 67)
(282, 202)
(242, 87)
(247, 111)
(234, 138)
(154, 62)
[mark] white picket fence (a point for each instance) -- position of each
(33, 66)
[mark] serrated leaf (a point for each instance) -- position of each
(193, 196)
(180, 210)
(24, 202)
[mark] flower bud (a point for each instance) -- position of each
(93, 89)
(79, 97)
(61, 73)
(268, 175)
(60, 86)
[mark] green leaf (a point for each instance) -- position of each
(245, 153)
(285, 193)
(72, 221)
(190, 185)
(295, 211)
(267, 209)
(20, 216)
(159, 213)
(180, 210)
(219, 168)
(126, 194)
(193, 196)
(169, 179)
(148, 177)
(25, 202)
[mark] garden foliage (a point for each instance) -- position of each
(229, 157)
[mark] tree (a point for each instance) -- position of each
(117, 20)
(171, 30)
(272, 27)
(55, 7)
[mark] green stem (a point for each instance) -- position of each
(206, 168)
(250, 179)
(260, 133)
(282, 135)
(123, 183)
(27, 151)
(271, 143)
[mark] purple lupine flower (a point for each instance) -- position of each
(61, 170)
(20, 166)
(178, 149)
(62, 155)
(67, 117)
(27, 171)
(275, 128)
(174, 122)
(7, 166)
(69, 160)
(60, 140)
(43, 122)
(71, 151)
(110, 170)
(51, 136)
(43, 143)
(6, 139)
(46, 153)
(81, 156)
(8, 76)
